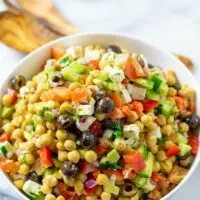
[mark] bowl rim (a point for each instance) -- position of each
(104, 34)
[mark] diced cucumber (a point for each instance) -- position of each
(64, 61)
(113, 156)
(6, 112)
(78, 68)
(49, 116)
(32, 189)
(143, 150)
(140, 181)
(149, 186)
(162, 89)
(148, 84)
(165, 108)
(48, 172)
(184, 149)
(181, 139)
(41, 196)
(6, 149)
(70, 75)
(56, 162)
(146, 173)
(153, 95)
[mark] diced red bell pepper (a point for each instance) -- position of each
(4, 137)
(101, 149)
(46, 157)
(7, 165)
(96, 128)
(135, 160)
(95, 173)
(173, 151)
(116, 114)
(67, 194)
(95, 64)
(126, 110)
(179, 102)
(85, 167)
(129, 71)
(89, 191)
(149, 104)
(194, 143)
(137, 107)
(157, 178)
(118, 173)
(13, 95)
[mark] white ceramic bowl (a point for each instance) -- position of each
(30, 65)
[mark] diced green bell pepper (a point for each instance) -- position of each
(70, 75)
(78, 68)
(153, 95)
(64, 61)
(148, 84)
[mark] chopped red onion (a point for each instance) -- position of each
(90, 183)
(82, 120)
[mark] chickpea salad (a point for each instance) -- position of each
(98, 123)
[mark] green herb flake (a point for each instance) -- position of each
(4, 151)
(64, 62)
(109, 165)
(162, 139)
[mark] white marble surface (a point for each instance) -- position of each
(171, 24)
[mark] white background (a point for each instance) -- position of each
(171, 24)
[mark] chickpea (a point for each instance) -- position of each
(44, 140)
(61, 135)
(60, 145)
(171, 79)
(50, 197)
(90, 156)
(161, 156)
(33, 98)
(62, 155)
(74, 156)
(172, 92)
(146, 120)
(156, 166)
(29, 158)
(161, 120)
(101, 179)
(133, 117)
(189, 92)
(167, 129)
(60, 198)
(119, 144)
(183, 127)
(170, 120)
(168, 144)
(152, 126)
(19, 183)
(66, 107)
(140, 125)
(46, 189)
(17, 134)
(70, 145)
(50, 180)
(7, 100)
(31, 108)
(40, 129)
(24, 169)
